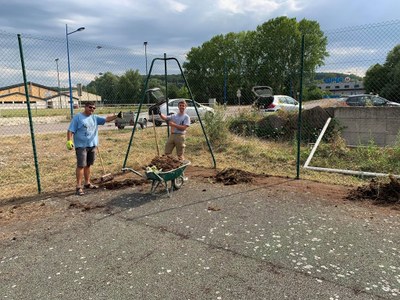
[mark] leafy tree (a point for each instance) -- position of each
(183, 93)
(385, 79)
(130, 87)
(375, 79)
(270, 55)
(172, 91)
(106, 87)
(279, 47)
(313, 93)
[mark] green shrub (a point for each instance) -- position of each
(244, 124)
(216, 127)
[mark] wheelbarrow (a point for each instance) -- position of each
(175, 176)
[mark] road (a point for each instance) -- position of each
(57, 126)
(208, 241)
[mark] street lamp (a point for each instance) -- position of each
(145, 54)
(96, 88)
(58, 80)
(69, 67)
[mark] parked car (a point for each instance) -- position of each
(129, 118)
(281, 102)
(368, 100)
(173, 108)
(263, 96)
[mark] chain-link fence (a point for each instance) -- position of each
(352, 61)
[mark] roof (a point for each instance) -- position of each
(28, 83)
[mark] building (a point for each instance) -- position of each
(40, 96)
(342, 86)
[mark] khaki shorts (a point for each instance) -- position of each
(178, 141)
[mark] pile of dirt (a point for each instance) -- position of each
(165, 163)
(122, 179)
(376, 190)
(232, 176)
(119, 182)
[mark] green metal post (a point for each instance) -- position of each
(137, 116)
(28, 104)
(143, 98)
(299, 123)
(166, 87)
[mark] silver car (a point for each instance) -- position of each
(190, 110)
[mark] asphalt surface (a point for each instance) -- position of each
(207, 241)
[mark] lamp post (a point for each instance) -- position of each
(71, 104)
(58, 81)
(97, 91)
(145, 54)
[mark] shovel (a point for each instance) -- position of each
(106, 176)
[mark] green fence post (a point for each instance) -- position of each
(28, 104)
(300, 105)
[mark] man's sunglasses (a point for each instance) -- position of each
(92, 107)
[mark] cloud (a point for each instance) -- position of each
(248, 6)
(176, 6)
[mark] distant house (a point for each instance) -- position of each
(41, 96)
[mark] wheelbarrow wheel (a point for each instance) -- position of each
(178, 182)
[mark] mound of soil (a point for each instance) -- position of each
(231, 176)
(378, 191)
(165, 163)
(117, 184)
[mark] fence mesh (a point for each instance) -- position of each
(360, 60)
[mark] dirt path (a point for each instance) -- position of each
(19, 217)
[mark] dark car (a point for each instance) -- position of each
(368, 100)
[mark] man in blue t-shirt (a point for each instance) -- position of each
(82, 135)
(179, 123)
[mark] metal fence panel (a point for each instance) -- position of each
(114, 78)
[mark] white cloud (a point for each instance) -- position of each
(246, 6)
(176, 6)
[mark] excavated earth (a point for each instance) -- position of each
(23, 215)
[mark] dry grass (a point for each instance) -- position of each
(57, 165)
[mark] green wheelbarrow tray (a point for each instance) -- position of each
(176, 177)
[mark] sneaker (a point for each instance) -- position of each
(185, 178)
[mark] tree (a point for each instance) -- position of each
(271, 56)
(385, 79)
(106, 86)
(130, 87)
(278, 43)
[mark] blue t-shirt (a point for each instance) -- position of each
(85, 130)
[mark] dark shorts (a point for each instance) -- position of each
(85, 156)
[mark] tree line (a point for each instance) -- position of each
(270, 55)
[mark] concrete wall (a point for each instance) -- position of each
(363, 124)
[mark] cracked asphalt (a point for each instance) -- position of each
(207, 241)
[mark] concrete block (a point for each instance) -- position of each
(363, 124)
(353, 138)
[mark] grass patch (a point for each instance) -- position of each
(57, 165)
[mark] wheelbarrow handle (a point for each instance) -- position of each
(134, 171)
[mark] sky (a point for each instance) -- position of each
(175, 26)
